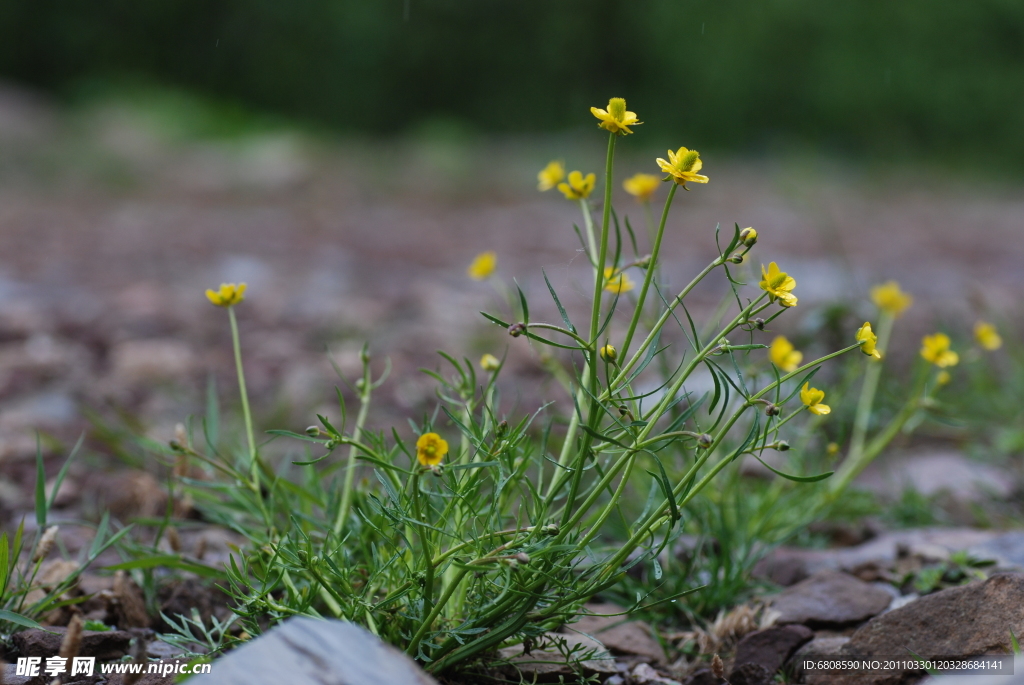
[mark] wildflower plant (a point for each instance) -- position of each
(475, 529)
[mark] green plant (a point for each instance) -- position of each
(24, 597)
(504, 540)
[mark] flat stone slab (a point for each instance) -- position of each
(787, 565)
(306, 651)
(932, 473)
(829, 598)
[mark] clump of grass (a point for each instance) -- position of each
(485, 529)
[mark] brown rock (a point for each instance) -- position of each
(964, 621)
(619, 634)
(750, 674)
(104, 645)
(968, 620)
(768, 649)
(644, 674)
(703, 677)
(547, 664)
(829, 598)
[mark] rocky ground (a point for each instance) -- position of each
(110, 230)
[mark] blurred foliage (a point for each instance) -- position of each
(914, 78)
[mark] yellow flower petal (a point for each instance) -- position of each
(228, 295)
(987, 336)
(430, 449)
(890, 299)
(935, 349)
(867, 339)
(682, 166)
(784, 355)
(551, 175)
(641, 186)
(482, 266)
(616, 118)
(617, 282)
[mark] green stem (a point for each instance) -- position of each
(606, 213)
(588, 225)
(865, 404)
(429, 620)
(428, 574)
(350, 468)
(655, 250)
(236, 344)
(626, 368)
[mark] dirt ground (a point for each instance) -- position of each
(110, 230)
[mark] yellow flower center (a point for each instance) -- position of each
(617, 108)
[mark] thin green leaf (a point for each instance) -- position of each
(558, 303)
(41, 508)
(20, 620)
(797, 479)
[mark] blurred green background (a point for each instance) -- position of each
(939, 81)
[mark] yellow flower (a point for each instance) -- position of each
(482, 266)
(609, 354)
(229, 294)
(890, 299)
(641, 186)
(812, 397)
(784, 355)
(617, 282)
(578, 187)
(942, 377)
(832, 448)
(430, 449)
(550, 176)
(682, 166)
(616, 119)
(867, 339)
(987, 336)
(489, 362)
(778, 284)
(935, 349)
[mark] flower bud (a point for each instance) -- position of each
(736, 258)
(522, 558)
(550, 529)
(748, 236)
(360, 383)
(313, 431)
(782, 446)
(644, 262)
(489, 362)
(501, 429)
(437, 470)
(772, 410)
(609, 354)
(759, 323)
(717, 667)
(704, 441)
(516, 330)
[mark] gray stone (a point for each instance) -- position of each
(547, 664)
(788, 565)
(305, 651)
(619, 634)
(829, 598)
(932, 473)
(1007, 550)
(644, 674)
